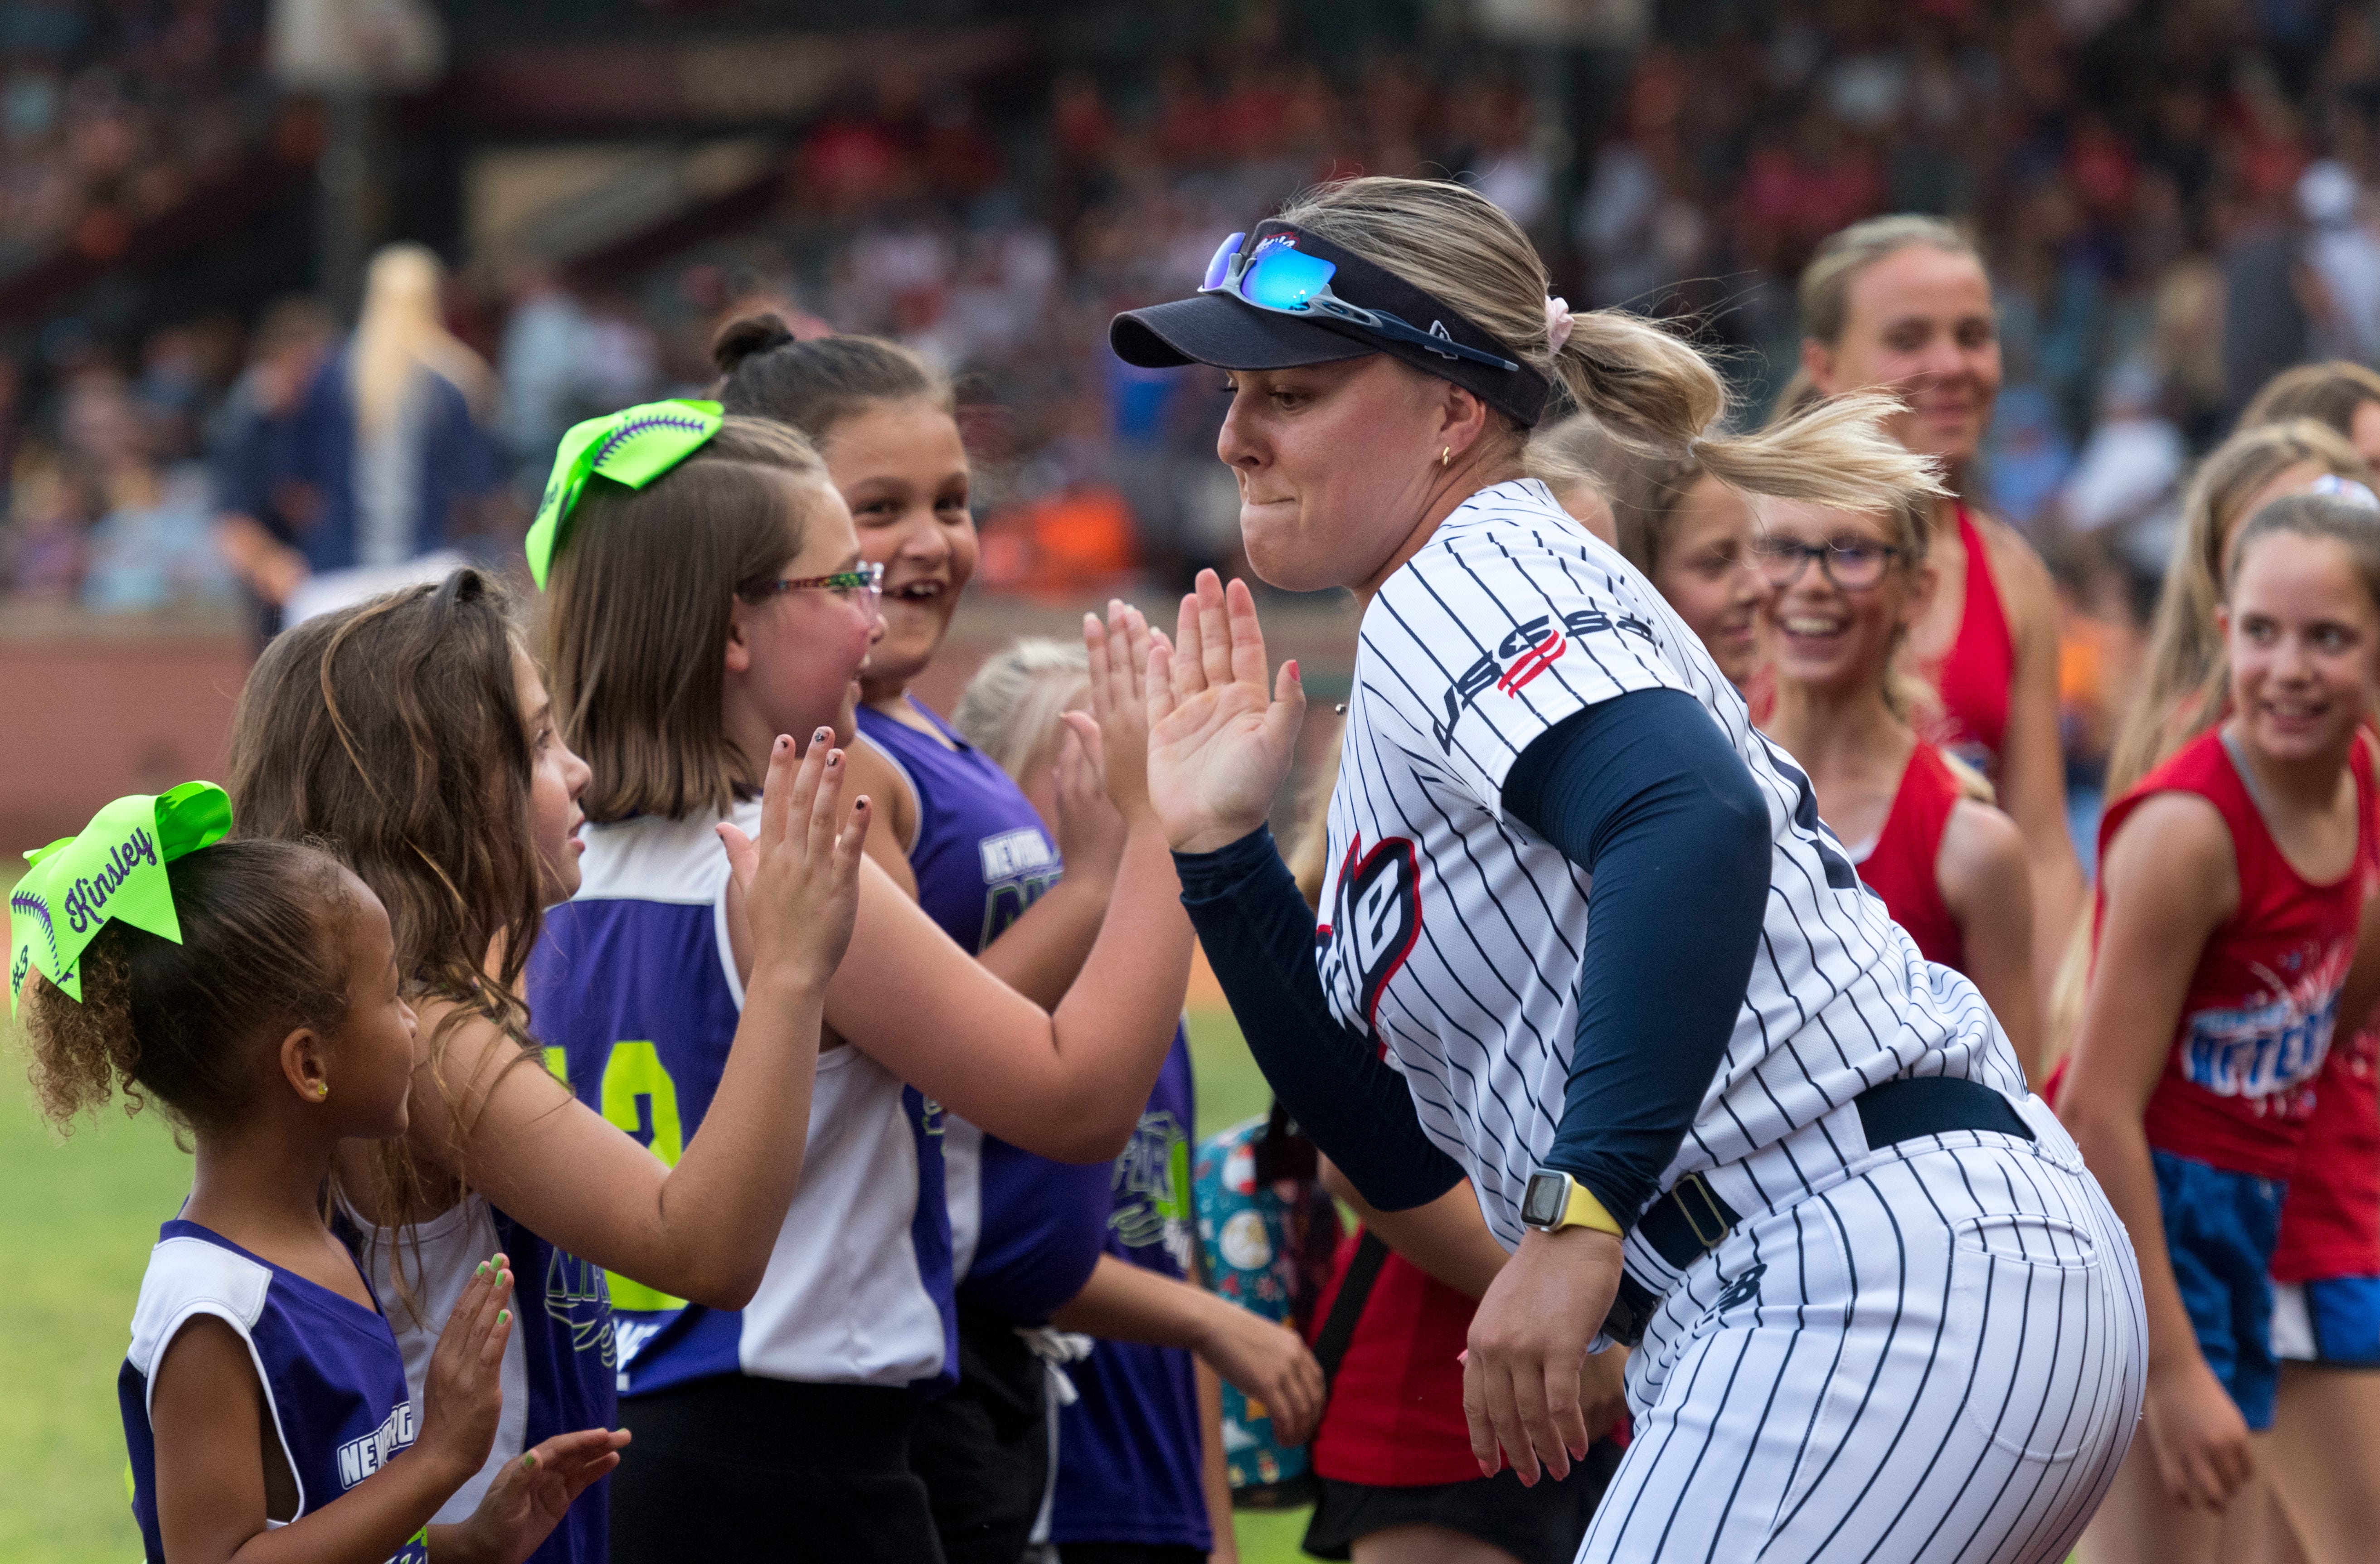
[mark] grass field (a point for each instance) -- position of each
(77, 1219)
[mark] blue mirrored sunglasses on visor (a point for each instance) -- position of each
(1287, 281)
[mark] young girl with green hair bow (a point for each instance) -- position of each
(236, 984)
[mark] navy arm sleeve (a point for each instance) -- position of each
(1645, 792)
(1258, 935)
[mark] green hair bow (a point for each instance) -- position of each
(632, 446)
(114, 868)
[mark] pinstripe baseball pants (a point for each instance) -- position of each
(1937, 1357)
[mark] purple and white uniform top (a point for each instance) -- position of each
(1024, 1230)
(334, 1379)
(635, 983)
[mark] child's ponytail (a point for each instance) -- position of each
(77, 1053)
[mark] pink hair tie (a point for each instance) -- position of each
(1557, 324)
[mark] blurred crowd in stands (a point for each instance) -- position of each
(115, 114)
(2176, 197)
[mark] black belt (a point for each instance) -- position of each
(1688, 1220)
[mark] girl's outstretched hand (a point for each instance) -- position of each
(1116, 731)
(463, 1391)
(800, 877)
(1090, 829)
(528, 1498)
(1268, 1363)
(1219, 746)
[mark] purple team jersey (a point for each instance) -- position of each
(1128, 1452)
(334, 1378)
(1129, 1462)
(981, 859)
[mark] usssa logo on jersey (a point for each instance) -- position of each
(1517, 660)
(1375, 918)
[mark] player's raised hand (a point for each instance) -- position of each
(463, 1392)
(1090, 829)
(800, 876)
(1218, 745)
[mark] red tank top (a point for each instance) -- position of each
(2330, 1223)
(2238, 1087)
(1394, 1419)
(1974, 675)
(1899, 867)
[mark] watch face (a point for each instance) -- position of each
(1541, 1206)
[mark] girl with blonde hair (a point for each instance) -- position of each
(2234, 883)
(2179, 696)
(1903, 304)
(1844, 589)
(389, 454)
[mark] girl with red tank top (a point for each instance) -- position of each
(2326, 1301)
(1903, 304)
(1973, 678)
(2232, 884)
(1951, 870)
(1900, 866)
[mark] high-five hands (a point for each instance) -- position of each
(1115, 731)
(1219, 744)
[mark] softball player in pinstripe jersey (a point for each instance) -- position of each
(1586, 940)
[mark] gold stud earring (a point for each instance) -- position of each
(1445, 455)
(323, 1088)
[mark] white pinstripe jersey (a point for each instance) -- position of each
(1454, 936)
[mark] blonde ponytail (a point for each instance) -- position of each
(1652, 392)
(1835, 454)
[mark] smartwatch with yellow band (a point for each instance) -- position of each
(1555, 1200)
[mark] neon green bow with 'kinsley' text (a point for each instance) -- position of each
(114, 868)
(632, 446)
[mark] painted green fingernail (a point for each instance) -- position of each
(503, 1316)
(483, 1267)
(529, 1461)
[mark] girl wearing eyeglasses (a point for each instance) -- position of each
(693, 620)
(1844, 589)
(961, 835)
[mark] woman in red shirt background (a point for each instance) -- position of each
(1903, 304)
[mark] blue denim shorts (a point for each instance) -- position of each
(2220, 1230)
